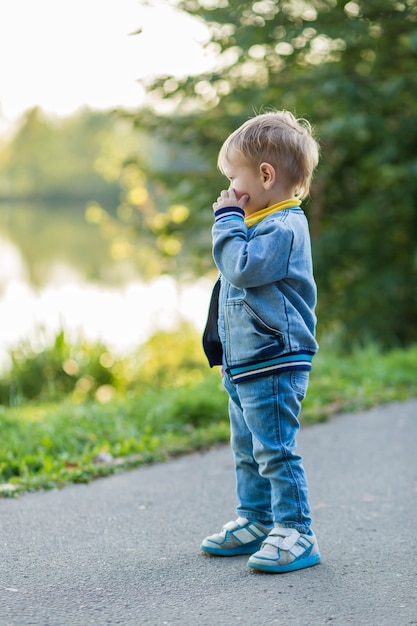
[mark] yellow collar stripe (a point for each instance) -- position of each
(257, 217)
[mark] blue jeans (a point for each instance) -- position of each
(271, 482)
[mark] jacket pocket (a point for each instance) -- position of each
(248, 337)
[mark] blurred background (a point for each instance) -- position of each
(62, 151)
(111, 117)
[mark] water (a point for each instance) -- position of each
(35, 304)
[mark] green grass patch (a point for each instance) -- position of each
(47, 445)
(360, 380)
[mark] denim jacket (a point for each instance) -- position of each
(261, 317)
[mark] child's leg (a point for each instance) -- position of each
(253, 490)
(268, 424)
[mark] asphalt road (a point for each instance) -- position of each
(125, 549)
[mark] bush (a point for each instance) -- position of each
(56, 371)
(85, 370)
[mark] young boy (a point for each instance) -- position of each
(261, 329)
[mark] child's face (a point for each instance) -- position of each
(245, 179)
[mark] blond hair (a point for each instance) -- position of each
(280, 139)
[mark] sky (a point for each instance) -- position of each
(62, 55)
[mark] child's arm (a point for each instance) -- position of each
(248, 261)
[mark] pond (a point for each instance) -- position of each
(56, 272)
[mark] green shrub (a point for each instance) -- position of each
(56, 371)
(84, 370)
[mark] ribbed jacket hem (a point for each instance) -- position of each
(296, 361)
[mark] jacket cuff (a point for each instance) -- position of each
(229, 213)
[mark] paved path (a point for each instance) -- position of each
(125, 549)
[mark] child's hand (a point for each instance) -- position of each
(228, 197)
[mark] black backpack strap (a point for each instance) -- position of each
(211, 340)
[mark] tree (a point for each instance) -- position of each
(349, 67)
(55, 160)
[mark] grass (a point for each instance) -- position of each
(360, 380)
(48, 445)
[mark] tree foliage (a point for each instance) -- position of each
(58, 160)
(349, 67)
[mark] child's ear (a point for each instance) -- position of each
(268, 175)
